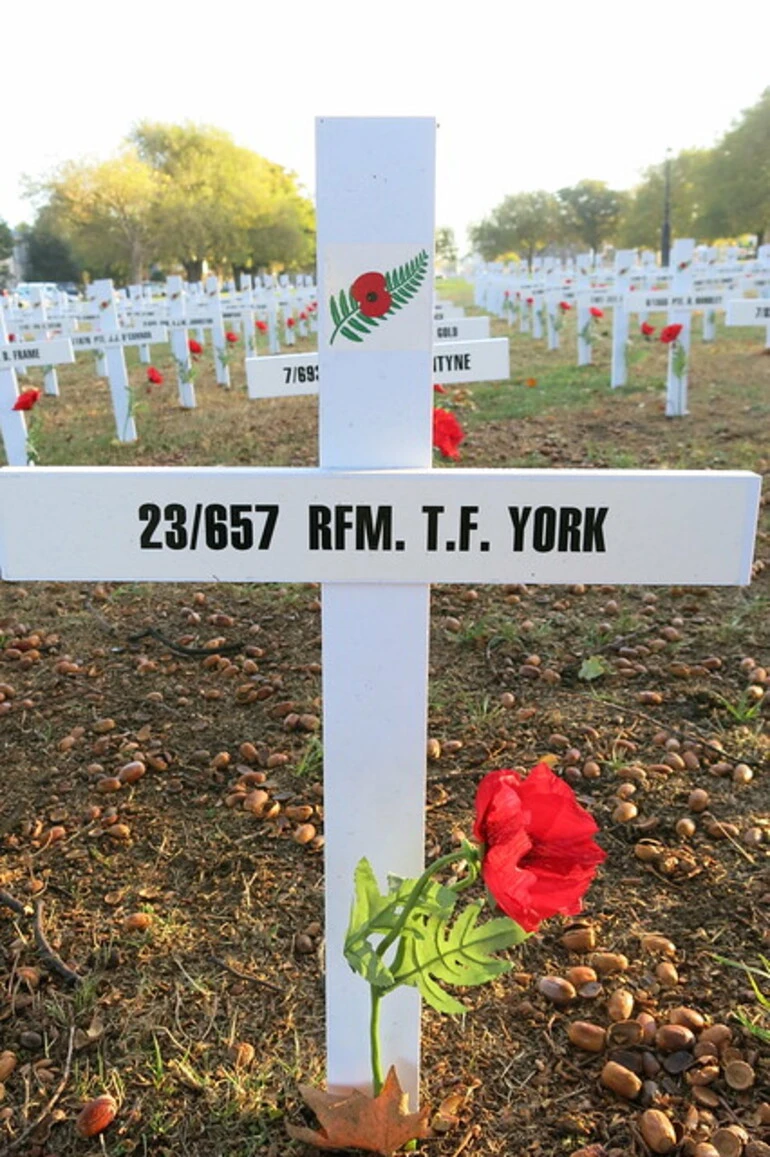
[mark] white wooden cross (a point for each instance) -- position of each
(454, 363)
(680, 299)
(376, 525)
(22, 354)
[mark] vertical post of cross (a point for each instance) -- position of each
(375, 200)
(679, 351)
(180, 350)
(624, 259)
(120, 387)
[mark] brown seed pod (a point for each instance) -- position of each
(248, 751)
(8, 1062)
(118, 831)
(703, 1072)
(579, 938)
(671, 1038)
(242, 1054)
(648, 850)
(667, 974)
(108, 784)
(624, 812)
(658, 945)
(132, 771)
(657, 1131)
(256, 801)
(606, 963)
(300, 813)
(556, 989)
(719, 830)
(96, 1116)
(433, 750)
(250, 778)
(585, 1035)
(739, 1075)
(624, 1034)
(705, 1149)
(620, 1080)
(690, 1017)
(580, 974)
(649, 1027)
(719, 1034)
(730, 1140)
(620, 1004)
(137, 922)
(304, 834)
(698, 800)
(685, 828)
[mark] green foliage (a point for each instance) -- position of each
(50, 256)
(522, 222)
(752, 1026)
(222, 203)
(373, 914)
(446, 246)
(591, 212)
(6, 240)
(593, 668)
(737, 186)
(175, 194)
(460, 954)
(642, 217)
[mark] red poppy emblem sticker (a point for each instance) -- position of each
(373, 297)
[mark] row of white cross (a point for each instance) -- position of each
(474, 359)
(536, 303)
(375, 197)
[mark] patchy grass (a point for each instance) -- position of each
(234, 951)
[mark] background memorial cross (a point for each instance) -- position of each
(376, 525)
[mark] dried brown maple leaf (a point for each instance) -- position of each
(378, 1124)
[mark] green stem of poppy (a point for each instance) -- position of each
(374, 1040)
(443, 862)
(471, 856)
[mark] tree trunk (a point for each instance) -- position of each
(193, 270)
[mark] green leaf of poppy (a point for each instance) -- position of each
(456, 955)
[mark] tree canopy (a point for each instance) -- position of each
(524, 223)
(715, 193)
(591, 211)
(178, 195)
(6, 240)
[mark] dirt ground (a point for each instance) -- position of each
(194, 926)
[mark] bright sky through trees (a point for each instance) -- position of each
(528, 96)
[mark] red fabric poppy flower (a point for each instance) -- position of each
(647, 329)
(290, 322)
(11, 337)
(231, 337)
(437, 389)
(507, 293)
(596, 312)
(261, 326)
(27, 400)
(371, 295)
(670, 333)
(564, 306)
(447, 433)
(194, 346)
(155, 377)
(303, 316)
(530, 300)
(540, 856)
